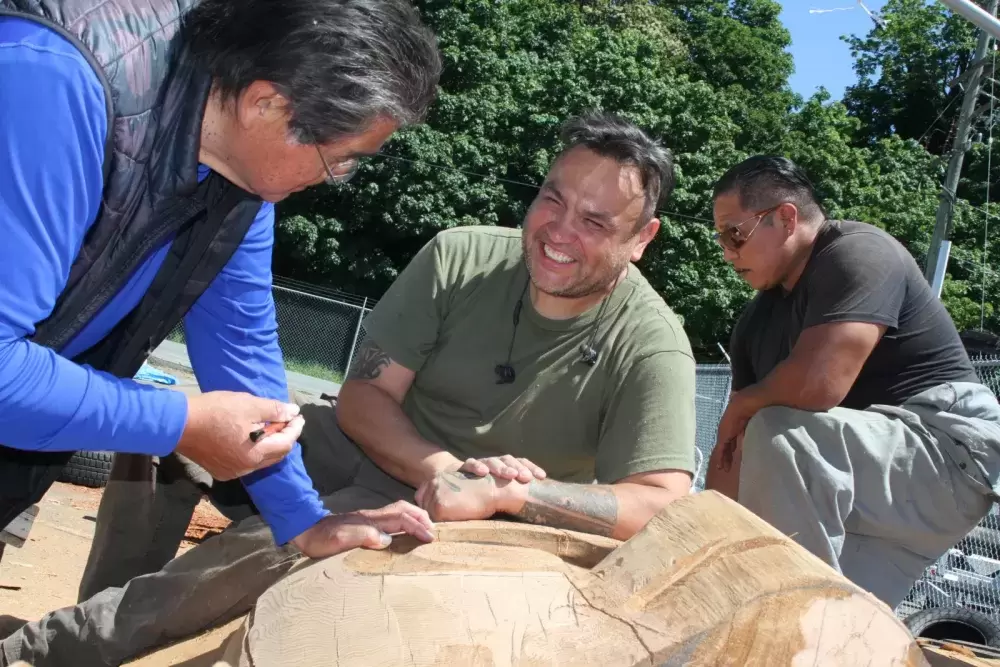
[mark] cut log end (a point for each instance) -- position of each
(704, 583)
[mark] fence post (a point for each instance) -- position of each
(357, 331)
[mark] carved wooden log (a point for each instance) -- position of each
(705, 583)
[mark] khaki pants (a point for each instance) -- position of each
(212, 583)
(881, 493)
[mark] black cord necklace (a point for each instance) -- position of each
(505, 372)
(588, 353)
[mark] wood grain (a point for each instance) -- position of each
(704, 583)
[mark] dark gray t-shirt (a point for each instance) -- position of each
(857, 273)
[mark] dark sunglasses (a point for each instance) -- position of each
(732, 237)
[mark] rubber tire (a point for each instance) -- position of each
(88, 469)
(955, 623)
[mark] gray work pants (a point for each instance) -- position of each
(214, 582)
(144, 513)
(879, 494)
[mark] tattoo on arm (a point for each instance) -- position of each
(370, 361)
(447, 479)
(582, 507)
(452, 479)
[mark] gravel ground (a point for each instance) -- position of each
(45, 573)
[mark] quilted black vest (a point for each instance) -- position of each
(156, 101)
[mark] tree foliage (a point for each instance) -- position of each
(904, 73)
(907, 89)
(709, 77)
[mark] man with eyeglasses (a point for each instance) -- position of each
(142, 149)
(856, 423)
(503, 373)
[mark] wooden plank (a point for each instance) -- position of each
(957, 654)
(16, 532)
(202, 650)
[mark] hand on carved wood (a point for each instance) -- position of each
(462, 496)
(503, 467)
(371, 529)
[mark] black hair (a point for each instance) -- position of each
(614, 137)
(341, 63)
(763, 181)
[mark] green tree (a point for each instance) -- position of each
(709, 77)
(513, 72)
(904, 92)
(740, 47)
(904, 70)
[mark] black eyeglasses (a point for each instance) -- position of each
(732, 237)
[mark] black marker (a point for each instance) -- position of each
(273, 427)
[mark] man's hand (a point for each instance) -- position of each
(731, 427)
(217, 433)
(370, 529)
(504, 467)
(723, 470)
(461, 496)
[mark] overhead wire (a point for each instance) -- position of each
(985, 270)
(939, 116)
(989, 179)
(432, 165)
(972, 265)
(516, 182)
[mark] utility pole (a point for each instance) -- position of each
(937, 254)
(975, 14)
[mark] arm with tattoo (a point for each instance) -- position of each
(369, 410)
(583, 507)
(369, 363)
(616, 510)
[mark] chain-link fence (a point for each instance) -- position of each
(713, 382)
(318, 334)
(968, 575)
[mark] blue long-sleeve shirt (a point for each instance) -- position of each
(53, 125)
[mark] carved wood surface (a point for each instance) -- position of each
(704, 583)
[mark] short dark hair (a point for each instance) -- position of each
(614, 137)
(763, 181)
(341, 63)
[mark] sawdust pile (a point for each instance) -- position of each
(205, 523)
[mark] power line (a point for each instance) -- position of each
(674, 214)
(986, 207)
(456, 169)
(515, 182)
(939, 116)
(937, 253)
(973, 266)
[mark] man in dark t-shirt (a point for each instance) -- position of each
(857, 424)
(857, 272)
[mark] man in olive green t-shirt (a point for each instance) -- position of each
(479, 390)
(473, 384)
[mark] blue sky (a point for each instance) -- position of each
(821, 58)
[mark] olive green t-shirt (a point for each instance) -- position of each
(449, 318)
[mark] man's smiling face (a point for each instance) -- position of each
(583, 228)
